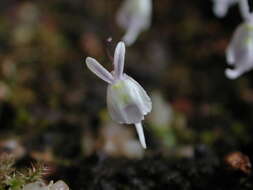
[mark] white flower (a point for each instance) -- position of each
(245, 10)
(38, 185)
(127, 101)
(240, 50)
(220, 7)
(134, 16)
(35, 186)
(59, 185)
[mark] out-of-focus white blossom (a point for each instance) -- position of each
(220, 7)
(35, 186)
(162, 114)
(59, 185)
(245, 10)
(239, 53)
(134, 16)
(127, 101)
(119, 141)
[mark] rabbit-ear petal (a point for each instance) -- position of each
(98, 70)
(119, 59)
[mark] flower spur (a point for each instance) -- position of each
(127, 101)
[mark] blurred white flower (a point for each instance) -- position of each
(119, 141)
(220, 7)
(162, 114)
(245, 10)
(134, 16)
(38, 185)
(127, 101)
(59, 185)
(240, 50)
(35, 186)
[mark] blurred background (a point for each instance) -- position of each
(53, 109)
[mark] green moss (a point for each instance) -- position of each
(13, 179)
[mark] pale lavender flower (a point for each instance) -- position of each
(245, 11)
(134, 16)
(39, 185)
(59, 185)
(35, 186)
(220, 7)
(240, 50)
(127, 101)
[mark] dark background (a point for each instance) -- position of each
(53, 109)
